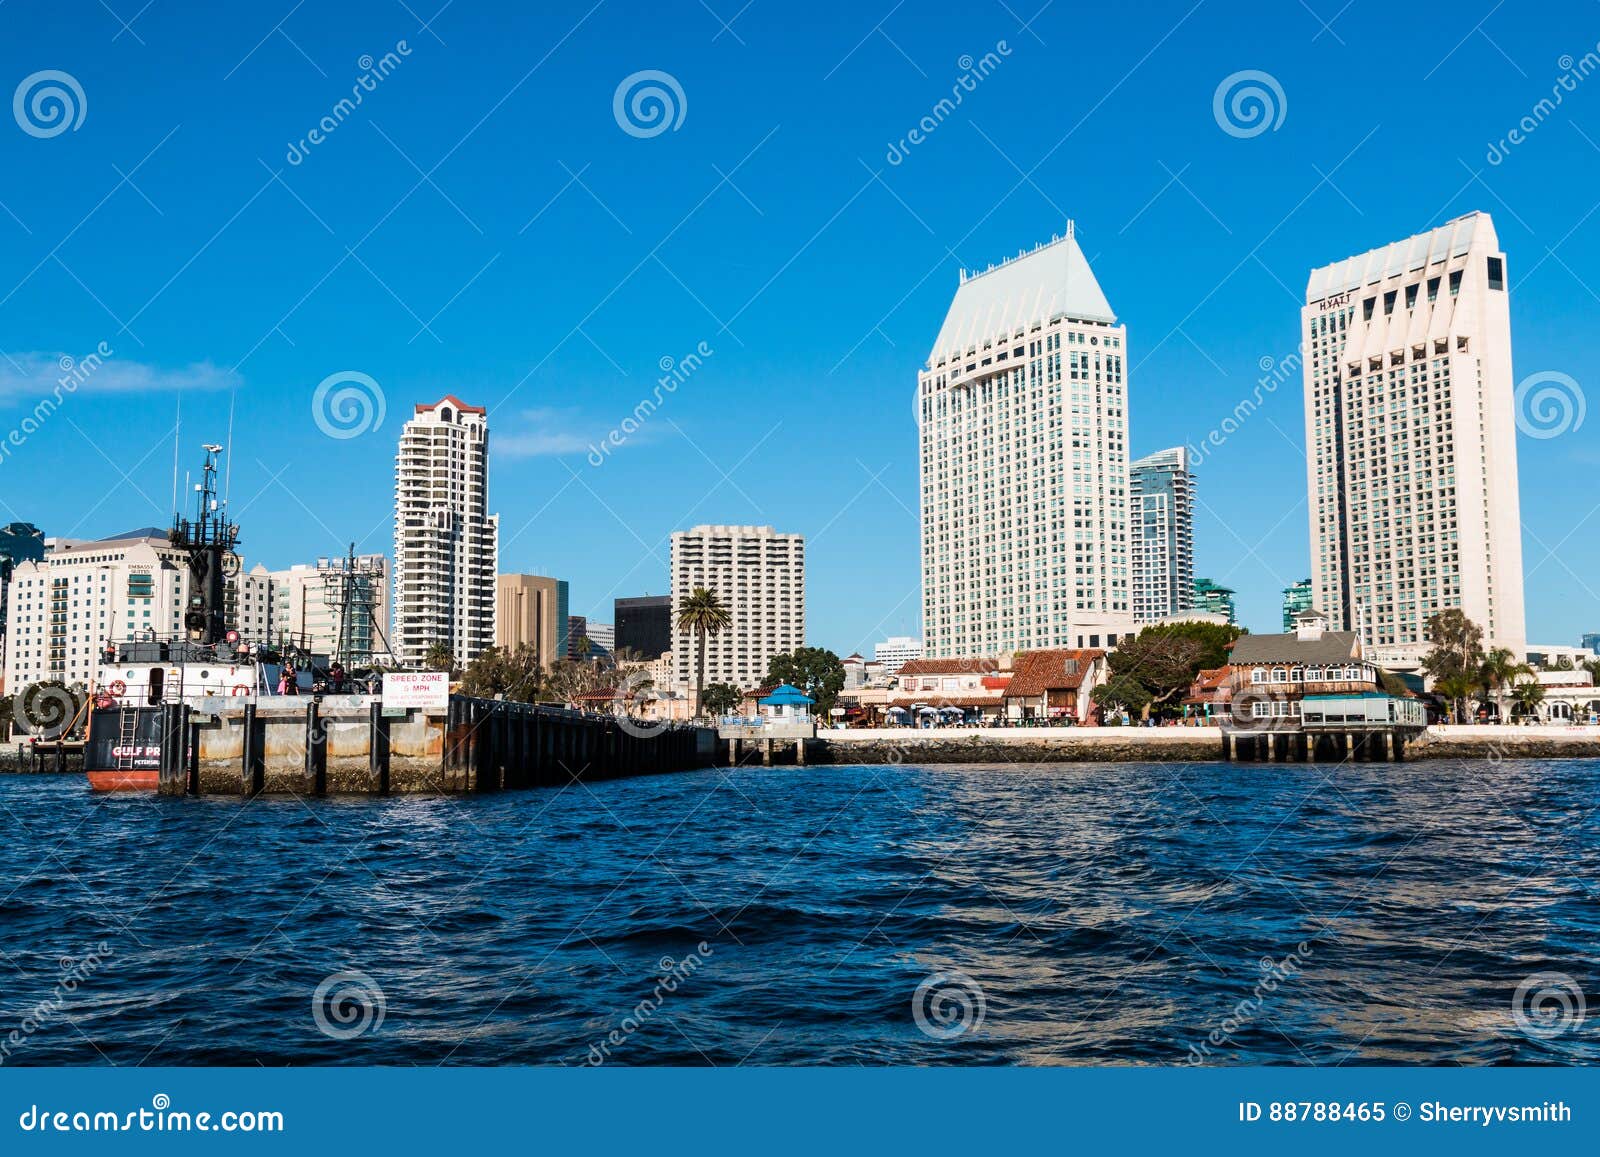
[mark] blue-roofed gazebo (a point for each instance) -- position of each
(785, 695)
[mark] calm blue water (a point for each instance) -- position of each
(1106, 914)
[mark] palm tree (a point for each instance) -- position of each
(1528, 696)
(1455, 689)
(1500, 671)
(703, 613)
(439, 658)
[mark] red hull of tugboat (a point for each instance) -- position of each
(124, 779)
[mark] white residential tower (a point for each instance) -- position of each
(446, 543)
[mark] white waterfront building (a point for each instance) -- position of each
(86, 593)
(1024, 454)
(1411, 425)
(446, 543)
(760, 576)
(895, 652)
(1161, 501)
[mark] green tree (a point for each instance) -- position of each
(722, 699)
(1499, 670)
(514, 674)
(1456, 660)
(1528, 695)
(568, 678)
(702, 612)
(439, 657)
(1157, 666)
(816, 671)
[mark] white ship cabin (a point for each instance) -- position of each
(150, 672)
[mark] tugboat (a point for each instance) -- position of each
(141, 676)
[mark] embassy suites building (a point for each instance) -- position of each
(1411, 429)
(1022, 408)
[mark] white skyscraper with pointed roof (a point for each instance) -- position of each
(1411, 432)
(1023, 414)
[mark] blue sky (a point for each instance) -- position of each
(481, 224)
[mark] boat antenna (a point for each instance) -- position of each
(227, 477)
(177, 440)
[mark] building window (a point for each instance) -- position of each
(1497, 279)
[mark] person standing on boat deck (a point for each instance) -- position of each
(336, 677)
(283, 679)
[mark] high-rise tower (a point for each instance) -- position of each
(1023, 413)
(1411, 429)
(446, 544)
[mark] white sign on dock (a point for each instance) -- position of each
(428, 690)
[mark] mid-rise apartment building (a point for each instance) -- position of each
(759, 575)
(336, 606)
(531, 610)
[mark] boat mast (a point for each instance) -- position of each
(208, 540)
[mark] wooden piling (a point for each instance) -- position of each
(377, 750)
(315, 773)
(252, 765)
